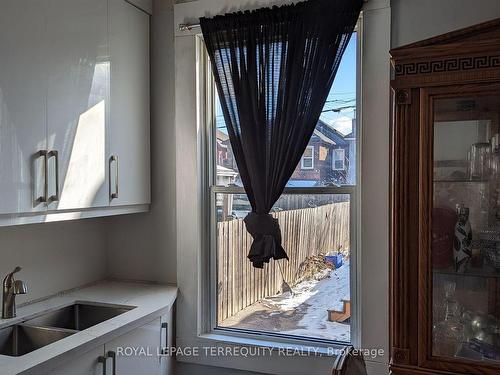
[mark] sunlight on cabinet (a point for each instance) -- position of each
(77, 101)
(86, 170)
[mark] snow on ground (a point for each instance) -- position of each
(318, 297)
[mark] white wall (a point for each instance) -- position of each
(416, 20)
(374, 179)
(373, 270)
(143, 246)
(54, 256)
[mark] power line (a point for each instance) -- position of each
(340, 100)
(336, 110)
(339, 109)
(342, 92)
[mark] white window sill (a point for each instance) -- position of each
(275, 345)
(260, 355)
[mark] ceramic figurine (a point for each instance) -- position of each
(443, 234)
(463, 239)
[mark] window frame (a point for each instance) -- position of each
(207, 324)
(303, 158)
(334, 159)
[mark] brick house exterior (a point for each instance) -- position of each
(326, 144)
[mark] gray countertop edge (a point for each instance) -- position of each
(151, 301)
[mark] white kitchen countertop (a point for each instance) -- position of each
(151, 301)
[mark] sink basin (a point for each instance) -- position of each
(79, 316)
(21, 339)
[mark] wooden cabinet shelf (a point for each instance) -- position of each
(486, 272)
(465, 181)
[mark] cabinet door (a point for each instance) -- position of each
(22, 105)
(129, 158)
(461, 185)
(77, 102)
(86, 364)
(137, 351)
(167, 341)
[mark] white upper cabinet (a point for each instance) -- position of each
(22, 105)
(129, 157)
(77, 103)
(74, 109)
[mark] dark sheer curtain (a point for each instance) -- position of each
(274, 68)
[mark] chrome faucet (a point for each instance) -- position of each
(11, 288)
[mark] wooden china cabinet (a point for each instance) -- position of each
(445, 204)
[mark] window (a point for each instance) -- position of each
(317, 217)
(338, 159)
(307, 161)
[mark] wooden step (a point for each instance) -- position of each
(340, 316)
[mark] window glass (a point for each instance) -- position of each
(307, 161)
(308, 296)
(339, 159)
(465, 241)
(336, 128)
(318, 305)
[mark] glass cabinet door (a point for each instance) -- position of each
(465, 241)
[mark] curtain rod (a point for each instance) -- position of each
(191, 26)
(188, 26)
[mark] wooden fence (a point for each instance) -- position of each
(305, 232)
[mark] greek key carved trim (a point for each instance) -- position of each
(448, 65)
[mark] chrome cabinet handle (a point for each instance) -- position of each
(111, 354)
(43, 198)
(55, 154)
(165, 326)
(113, 194)
(101, 359)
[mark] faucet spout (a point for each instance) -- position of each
(11, 288)
(19, 287)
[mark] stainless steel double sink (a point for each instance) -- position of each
(35, 333)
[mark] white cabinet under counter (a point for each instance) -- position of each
(74, 109)
(136, 352)
(145, 324)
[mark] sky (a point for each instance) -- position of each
(344, 85)
(342, 94)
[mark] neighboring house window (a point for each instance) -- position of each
(338, 158)
(317, 224)
(307, 161)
